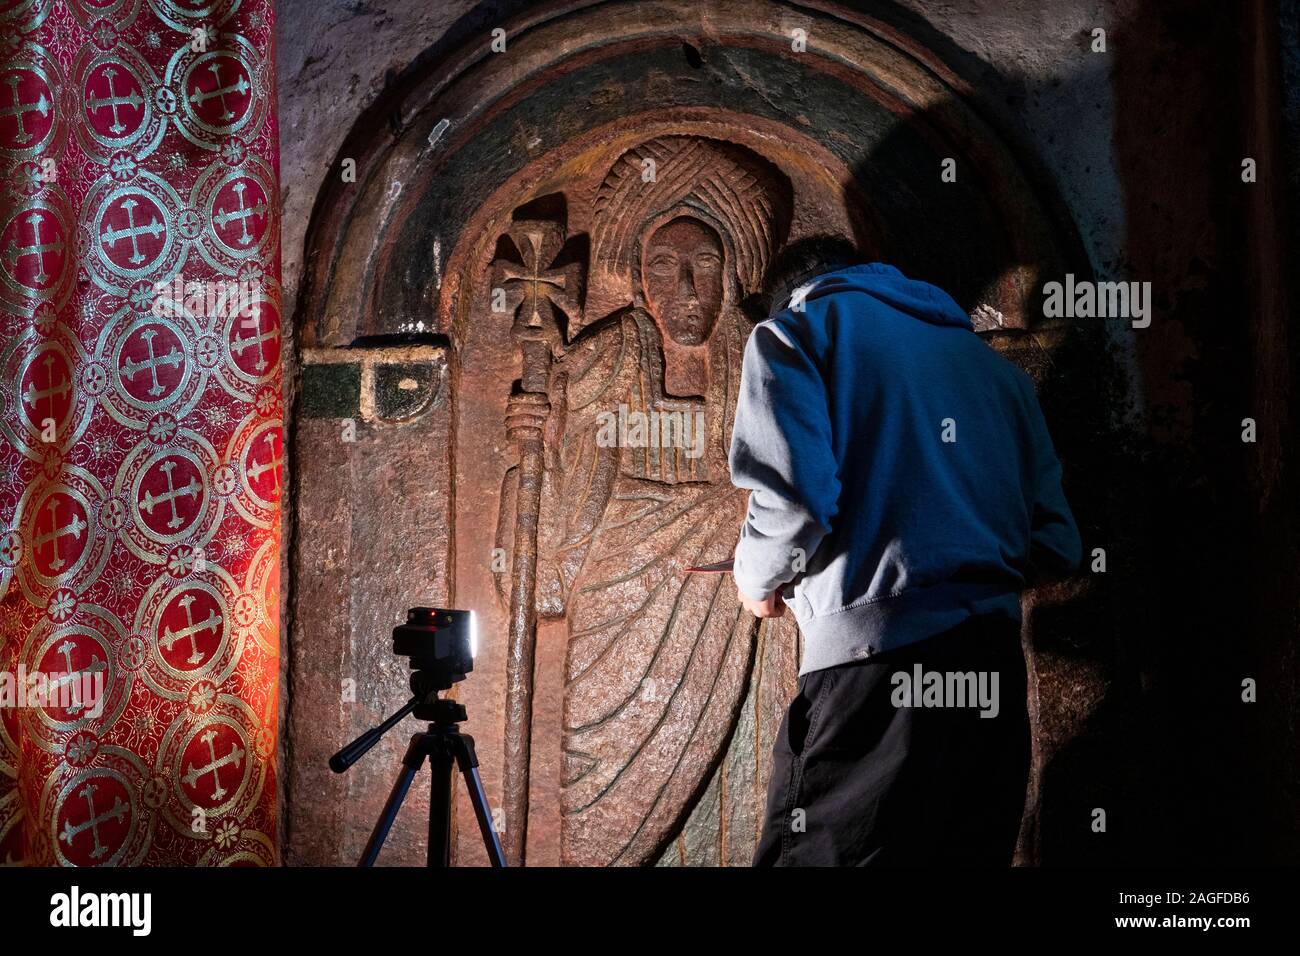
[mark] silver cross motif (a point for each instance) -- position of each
(172, 358)
(115, 812)
(152, 228)
(73, 676)
(38, 249)
(151, 501)
(272, 464)
(19, 109)
(198, 97)
(230, 758)
(241, 213)
(51, 537)
(114, 102)
(257, 338)
(33, 395)
(190, 631)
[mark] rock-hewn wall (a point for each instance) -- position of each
(1137, 690)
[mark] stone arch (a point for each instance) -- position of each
(874, 102)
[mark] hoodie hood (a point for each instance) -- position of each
(885, 283)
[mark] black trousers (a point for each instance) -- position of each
(858, 780)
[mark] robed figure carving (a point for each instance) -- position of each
(637, 427)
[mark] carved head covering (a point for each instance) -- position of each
(740, 194)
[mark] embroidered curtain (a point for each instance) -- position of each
(141, 446)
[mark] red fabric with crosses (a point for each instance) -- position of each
(141, 444)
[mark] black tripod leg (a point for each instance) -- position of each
(468, 761)
(440, 766)
(410, 766)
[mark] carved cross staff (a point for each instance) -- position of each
(538, 288)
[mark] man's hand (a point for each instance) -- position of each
(771, 606)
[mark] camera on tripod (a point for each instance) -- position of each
(439, 641)
(440, 644)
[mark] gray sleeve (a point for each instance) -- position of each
(1054, 545)
(781, 450)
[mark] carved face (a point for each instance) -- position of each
(681, 272)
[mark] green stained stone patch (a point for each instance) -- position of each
(331, 390)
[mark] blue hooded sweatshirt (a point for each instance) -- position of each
(901, 475)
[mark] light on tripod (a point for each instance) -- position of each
(440, 644)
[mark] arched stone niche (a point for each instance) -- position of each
(496, 192)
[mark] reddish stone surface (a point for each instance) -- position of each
(1048, 146)
(357, 567)
(653, 701)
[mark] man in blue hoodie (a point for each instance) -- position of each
(903, 491)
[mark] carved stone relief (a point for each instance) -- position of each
(635, 485)
(536, 329)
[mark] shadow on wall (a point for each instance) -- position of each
(1078, 633)
(1185, 89)
(1139, 669)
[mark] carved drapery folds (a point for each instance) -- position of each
(657, 661)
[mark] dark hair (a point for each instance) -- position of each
(801, 261)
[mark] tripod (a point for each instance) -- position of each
(445, 747)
